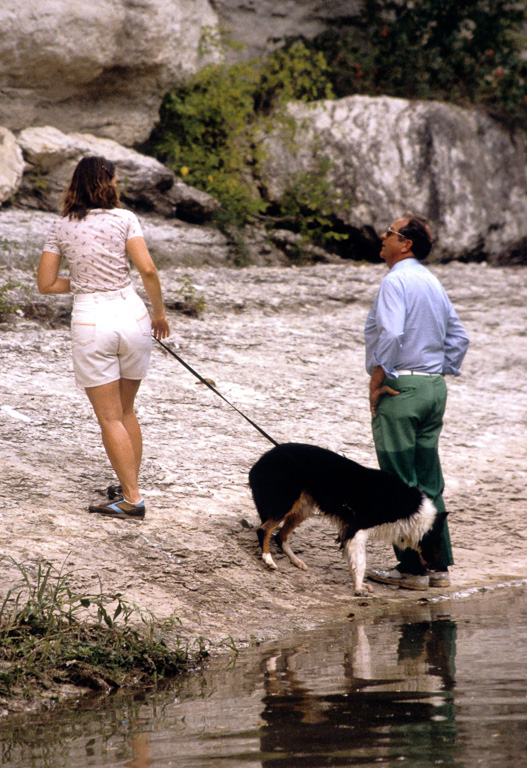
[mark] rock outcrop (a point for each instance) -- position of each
(11, 165)
(464, 170)
(461, 168)
(36, 167)
(145, 183)
(102, 67)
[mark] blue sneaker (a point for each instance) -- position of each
(120, 508)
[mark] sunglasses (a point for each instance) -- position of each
(393, 232)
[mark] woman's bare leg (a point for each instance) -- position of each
(121, 435)
(128, 390)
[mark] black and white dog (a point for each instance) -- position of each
(293, 481)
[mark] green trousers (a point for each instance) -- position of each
(406, 432)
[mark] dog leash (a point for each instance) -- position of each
(209, 385)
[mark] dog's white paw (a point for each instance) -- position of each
(291, 555)
(268, 560)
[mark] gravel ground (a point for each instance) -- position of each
(285, 345)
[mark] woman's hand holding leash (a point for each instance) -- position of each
(160, 327)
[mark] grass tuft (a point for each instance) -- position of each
(51, 635)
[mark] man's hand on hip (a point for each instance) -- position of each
(378, 388)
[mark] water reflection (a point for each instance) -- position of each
(443, 685)
(142, 753)
(383, 710)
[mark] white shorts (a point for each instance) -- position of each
(111, 337)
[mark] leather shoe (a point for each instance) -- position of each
(439, 578)
(398, 579)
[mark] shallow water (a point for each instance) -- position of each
(444, 683)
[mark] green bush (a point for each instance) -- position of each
(293, 73)
(466, 52)
(309, 203)
(204, 131)
(7, 305)
(209, 128)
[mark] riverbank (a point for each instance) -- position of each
(285, 346)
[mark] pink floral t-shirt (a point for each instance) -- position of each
(95, 248)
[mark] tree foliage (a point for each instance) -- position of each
(468, 52)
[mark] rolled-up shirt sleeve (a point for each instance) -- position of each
(456, 345)
(385, 329)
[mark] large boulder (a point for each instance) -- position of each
(11, 165)
(464, 170)
(145, 183)
(101, 67)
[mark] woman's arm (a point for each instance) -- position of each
(48, 280)
(140, 257)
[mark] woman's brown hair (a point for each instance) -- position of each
(90, 187)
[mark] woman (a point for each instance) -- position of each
(111, 327)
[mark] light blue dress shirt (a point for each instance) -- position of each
(413, 325)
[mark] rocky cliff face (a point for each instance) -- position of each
(461, 168)
(11, 164)
(97, 67)
(104, 67)
(258, 24)
(94, 76)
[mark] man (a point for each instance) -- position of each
(413, 338)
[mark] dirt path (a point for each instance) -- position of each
(285, 346)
